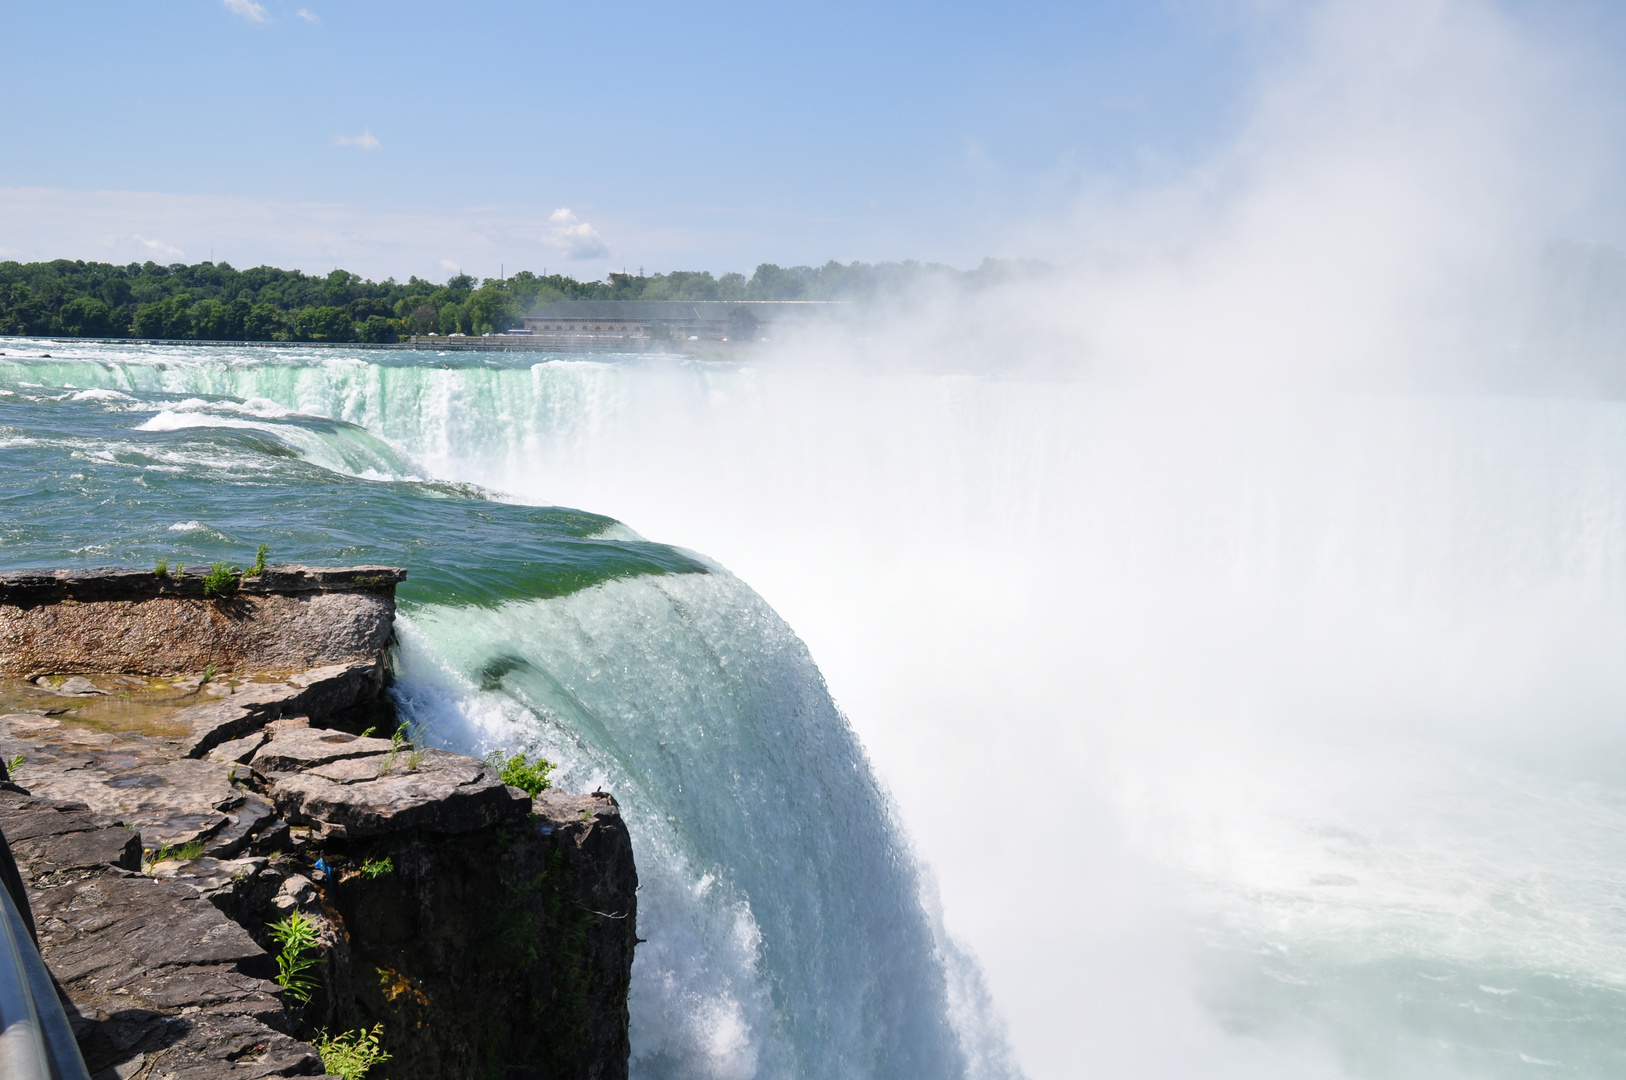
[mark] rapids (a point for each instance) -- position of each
(1193, 733)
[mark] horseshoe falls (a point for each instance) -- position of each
(967, 726)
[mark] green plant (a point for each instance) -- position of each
(294, 936)
(376, 868)
(192, 849)
(180, 570)
(398, 742)
(162, 569)
(351, 1053)
(368, 733)
(221, 580)
(259, 561)
(208, 674)
(12, 765)
(518, 772)
(415, 759)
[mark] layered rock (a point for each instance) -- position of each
(489, 933)
(137, 621)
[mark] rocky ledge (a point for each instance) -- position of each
(140, 621)
(163, 825)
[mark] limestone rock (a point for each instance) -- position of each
(238, 751)
(107, 621)
(156, 976)
(316, 693)
(297, 749)
(446, 793)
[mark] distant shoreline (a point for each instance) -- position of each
(495, 343)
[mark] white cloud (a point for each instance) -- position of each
(366, 140)
(248, 9)
(158, 247)
(309, 16)
(49, 223)
(575, 238)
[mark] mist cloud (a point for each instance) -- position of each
(1379, 215)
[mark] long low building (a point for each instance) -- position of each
(634, 324)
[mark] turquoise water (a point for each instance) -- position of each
(1192, 734)
(785, 936)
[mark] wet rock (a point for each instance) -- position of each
(74, 686)
(236, 716)
(312, 694)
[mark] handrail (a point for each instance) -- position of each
(36, 1042)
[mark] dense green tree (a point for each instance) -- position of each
(85, 316)
(264, 323)
(216, 301)
(325, 324)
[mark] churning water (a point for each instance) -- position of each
(1230, 733)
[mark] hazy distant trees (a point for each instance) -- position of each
(216, 302)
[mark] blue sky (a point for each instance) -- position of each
(415, 138)
(710, 135)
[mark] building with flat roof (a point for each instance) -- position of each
(642, 324)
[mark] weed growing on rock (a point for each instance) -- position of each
(162, 569)
(516, 771)
(221, 580)
(208, 674)
(294, 936)
(351, 1053)
(398, 742)
(259, 561)
(376, 868)
(192, 849)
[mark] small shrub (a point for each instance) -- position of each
(221, 580)
(516, 771)
(294, 936)
(162, 569)
(377, 868)
(350, 1054)
(259, 561)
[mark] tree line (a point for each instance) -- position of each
(216, 302)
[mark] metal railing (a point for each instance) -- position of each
(36, 1042)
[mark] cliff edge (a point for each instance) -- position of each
(166, 822)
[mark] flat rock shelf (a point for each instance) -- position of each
(163, 821)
